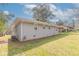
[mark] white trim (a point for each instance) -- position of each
(21, 31)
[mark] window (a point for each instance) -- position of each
(24, 37)
(35, 28)
(34, 35)
(43, 27)
(56, 29)
(37, 19)
(49, 27)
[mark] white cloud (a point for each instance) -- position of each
(6, 12)
(57, 12)
(76, 5)
(60, 14)
(65, 15)
(68, 12)
(29, 6)
(53, 6)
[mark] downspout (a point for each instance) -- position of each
(21, 33)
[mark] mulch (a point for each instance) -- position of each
(2, 42)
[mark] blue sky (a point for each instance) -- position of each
(18, 9)
(15, 9)
(65, 5)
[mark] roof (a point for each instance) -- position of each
(30, 21)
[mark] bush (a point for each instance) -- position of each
(13, 38)
(1, 34)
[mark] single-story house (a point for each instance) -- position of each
(68, 28)
(25, 29)
(76, 23)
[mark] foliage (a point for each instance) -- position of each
(42, 12)
(64, 44)
(4, 19)
(60, 22)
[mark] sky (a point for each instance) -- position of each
(63, 10)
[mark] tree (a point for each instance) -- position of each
(4, 20)
(42, 12)
(60, 22)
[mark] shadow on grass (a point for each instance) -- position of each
(15, 47)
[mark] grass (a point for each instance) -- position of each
(64, 44)
(4, 45)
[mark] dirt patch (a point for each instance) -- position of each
(2, 42)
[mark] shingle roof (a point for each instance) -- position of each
(30, 21)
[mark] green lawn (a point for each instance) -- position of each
(62, 44)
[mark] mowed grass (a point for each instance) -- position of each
(4, 45)
(64, 44)
(3, 49)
